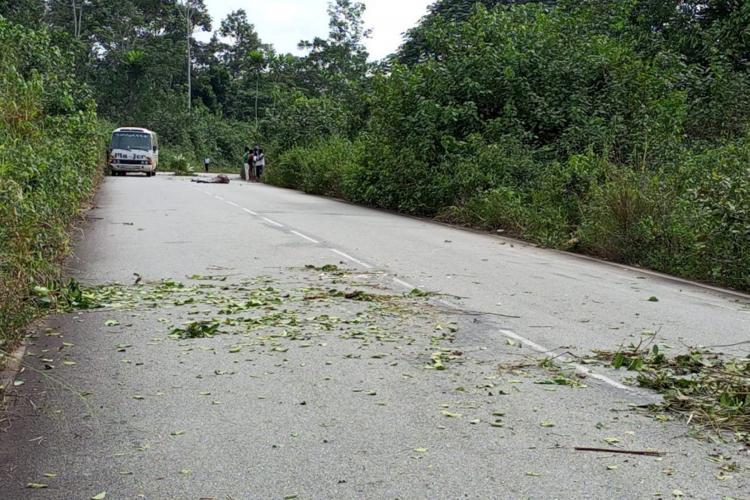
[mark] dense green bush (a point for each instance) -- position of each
(714, 210)
(323, 168)
(284, 170)
(299, 120)
(51, 146)
(627, 218)
(529, 82)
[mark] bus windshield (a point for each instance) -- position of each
(131, 140)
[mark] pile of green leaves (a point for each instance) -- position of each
(50, 146)
(703, 387)
(196, 330)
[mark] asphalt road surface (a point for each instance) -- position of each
(325, 382)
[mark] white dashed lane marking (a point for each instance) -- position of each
(349, 257)
(562, 359)
(272, 222)
(305, 237)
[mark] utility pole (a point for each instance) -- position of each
(189, 59)
(257, 85)
(77, 18)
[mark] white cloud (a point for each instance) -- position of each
(389, 19)
(284, 23)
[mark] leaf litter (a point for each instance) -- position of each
(275, 317)
(707, 389)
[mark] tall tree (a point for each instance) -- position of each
(25, 12)
(417, 45)
(243, 40)
(342, 57)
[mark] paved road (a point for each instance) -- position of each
(161, 418)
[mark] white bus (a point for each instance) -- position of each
(133, 149)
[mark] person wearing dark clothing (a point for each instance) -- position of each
(247, 163)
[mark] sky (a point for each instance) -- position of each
(284, 23)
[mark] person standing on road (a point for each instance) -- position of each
(260, 163)
(206, 162)
(247, 159)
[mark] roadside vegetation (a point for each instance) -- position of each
(50, 146)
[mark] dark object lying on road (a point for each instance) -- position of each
(647, 453)
(219, 179)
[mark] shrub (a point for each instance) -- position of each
(51, 145)
(177, 163)
(714, 210)
(324, 168)
(627, 218)
(284, 171)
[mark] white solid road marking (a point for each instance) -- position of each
(273, 222)
(582, 369)
(563, 359)
(233, 204)
(404, 283)
(349, 257)
(218, 197)
(305, 237)
(249, 211)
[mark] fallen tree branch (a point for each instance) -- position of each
(624, 452)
